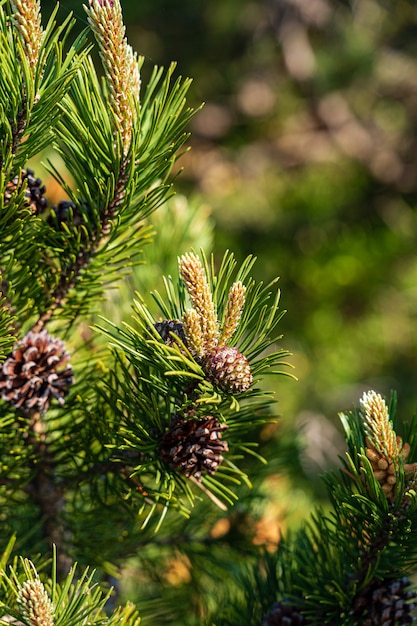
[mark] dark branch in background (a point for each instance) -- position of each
(45, 492)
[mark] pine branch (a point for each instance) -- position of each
(118, 186)
(182, 406)
(42, 602)
(31, 90)
(349, 566)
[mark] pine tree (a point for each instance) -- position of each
(107, 434)
(117, 437)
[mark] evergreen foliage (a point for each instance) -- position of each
(119, 438)
(339, 569)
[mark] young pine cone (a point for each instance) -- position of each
(166, 327)
(67, 212)
(228, 369)
(386, 603)
(194, 446)
(35, 372)
(34, 194)
(283, 615)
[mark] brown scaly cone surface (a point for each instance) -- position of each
(36, 371)
(194, 446)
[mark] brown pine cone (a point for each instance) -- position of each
(386, 603)
(35, 372)
(194, 446)
(166, 327)
(67, 212)
(228, 369)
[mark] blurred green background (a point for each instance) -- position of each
(304, 155)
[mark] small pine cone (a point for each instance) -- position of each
(34, 194)
(283, 615)
(194, 446)
(228, 369)
(61, 213)
(166, 327)
(35, 603)
(35, 372)
(386, 603)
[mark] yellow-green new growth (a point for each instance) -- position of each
(385, 450)
(192, 329)
(35, 603)
(193, 275)
(201, 324)
(234, 307)
(27, 19)
(120, 63)
(378, 426)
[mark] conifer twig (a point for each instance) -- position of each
(123, 83)
(192, 273)
(120, 63)
(69, 279)
(27, 18)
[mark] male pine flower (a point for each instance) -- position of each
(193, 275)
(224, 365)
(384, 448)
(35, 603)
(120, 63)
(27, 18)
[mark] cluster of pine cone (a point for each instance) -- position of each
(192, 445)
(37, 202)
(37, 370)
(225, 366)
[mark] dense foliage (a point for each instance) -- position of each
(146, 444)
